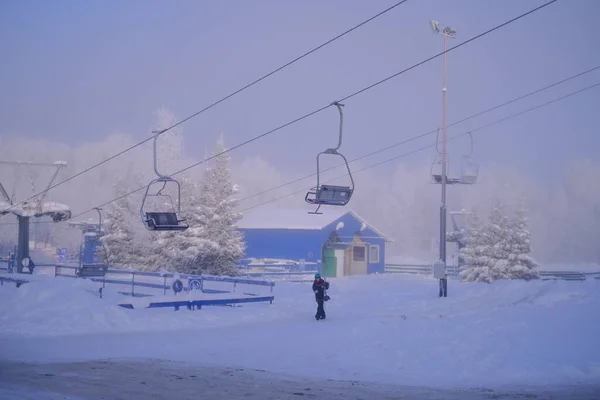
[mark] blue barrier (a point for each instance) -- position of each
(210, 278)
(194, 281)
(197, 304)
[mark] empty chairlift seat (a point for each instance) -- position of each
(164, 221)
(330, 195)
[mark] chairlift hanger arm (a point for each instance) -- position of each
(156, 135)
(471, 144)
(341, 111)
(99, 221)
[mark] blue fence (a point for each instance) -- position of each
(141, 283)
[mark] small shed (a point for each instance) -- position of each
(340, 241)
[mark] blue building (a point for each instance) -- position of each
(339, 240)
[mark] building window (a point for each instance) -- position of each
(358, 253)
(374, 253)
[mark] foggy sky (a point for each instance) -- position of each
(73, 71)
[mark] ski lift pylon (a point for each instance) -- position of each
(332, 195)
(162, 220)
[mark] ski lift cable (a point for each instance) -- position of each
(429, 132)
(478, 36)
(423, 148)
(363, 89)
(470, 132)
(339, 36)
(488, 125)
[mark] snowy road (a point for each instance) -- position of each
(484, 342)
(157, 379)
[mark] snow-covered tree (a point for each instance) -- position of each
(120, 240)
(499, 231)
(499, 250)
(184, 251)
(217, 217)
(474, 257)
(169, 145)
(517, 262)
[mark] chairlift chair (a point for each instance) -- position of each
(90, 270)
(332, 195)
(436, 173)
(162, 220)
(469, 170)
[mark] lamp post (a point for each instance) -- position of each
(440, 266)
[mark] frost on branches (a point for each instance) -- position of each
(122, 248)
(475, 255)
(521, 264)
(212, 244)
(184, 251)
(500, 250)
(217, 218)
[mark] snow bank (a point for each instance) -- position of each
(379, 328)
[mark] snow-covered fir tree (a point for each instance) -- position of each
(184, 251)
(499, 250)
(474, 257)
(217, 217)
(122, 248)
(499, 231)
(517, 262)
(165, 249)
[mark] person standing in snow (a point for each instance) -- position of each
(319, 287)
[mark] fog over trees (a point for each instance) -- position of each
(563, 216)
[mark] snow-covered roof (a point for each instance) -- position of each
(297, 219)
(48, 208)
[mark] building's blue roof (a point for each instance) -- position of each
(297, 219)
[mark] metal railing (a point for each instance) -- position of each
(149, 280)
(453, 271)
(418, 269)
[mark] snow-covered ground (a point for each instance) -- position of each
(384, 335)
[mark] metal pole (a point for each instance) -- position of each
(446, 33)
(23, 242)
(443, 281)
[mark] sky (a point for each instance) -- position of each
(76, 72)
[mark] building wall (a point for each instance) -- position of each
(297, 244)
(284, 243)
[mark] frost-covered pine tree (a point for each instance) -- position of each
(217, 217)
(165, 249)
(127, 242)
(519, 264)
(119, 238)
(499, 231)
(474, 257)
(169, 145)
(512, 246)
(185, 251)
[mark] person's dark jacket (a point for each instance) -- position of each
(319, 286)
